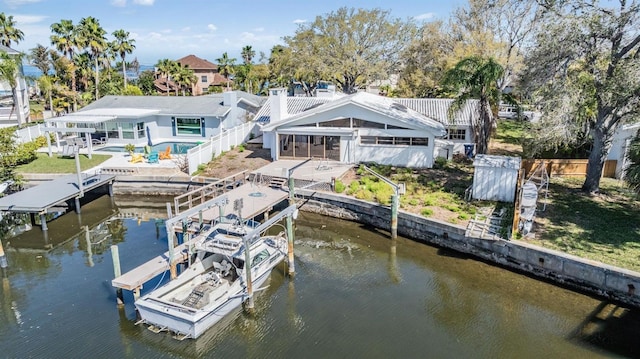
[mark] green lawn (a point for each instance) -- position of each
(55, 164)
(605, 227)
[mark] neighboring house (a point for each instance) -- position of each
(11, 115)
(361, 127)
(206, 73)
(140, 119)
(620, 145)
(364, 127)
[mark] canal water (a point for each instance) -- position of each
(356, 294)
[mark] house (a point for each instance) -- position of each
(140, 119)
(206, 73)
(12, 114)
(364, 127)
(361, 127)
(620, 146)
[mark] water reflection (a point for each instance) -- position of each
(356, 293)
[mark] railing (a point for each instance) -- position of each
(217, 144)
(208, 192)
(29, 133)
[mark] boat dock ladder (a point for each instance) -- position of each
(277, 182)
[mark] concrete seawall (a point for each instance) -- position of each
(594, 277)
(582, 274)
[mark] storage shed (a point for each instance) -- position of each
(495, 178)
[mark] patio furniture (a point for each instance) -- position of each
(166, 155)
(153, 157)
(147, 151)
(137, 158)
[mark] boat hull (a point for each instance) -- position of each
(190, 324)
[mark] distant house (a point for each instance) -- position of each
(364, 127)
(141, 119)
(13, 114)
(206, 73)
(620, 146)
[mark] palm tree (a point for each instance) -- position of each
(65, 39)
(165, 70)
(185, 77)
(9, 72)
(45, 82)
(632, 172)
(92, 36)
(247, 54)
(476, 78)
(122, 45)
(39, 57)
(8, 30)
(225, 66)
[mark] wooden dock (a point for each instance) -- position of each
(256, 199)
(135, 278)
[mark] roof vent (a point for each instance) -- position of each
(398, 106)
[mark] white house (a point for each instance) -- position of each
(363, 127)
(140, 119)
(13, 114)
(620, 145)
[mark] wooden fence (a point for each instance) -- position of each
(568, 167)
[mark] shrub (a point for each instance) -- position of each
(413, 202)
(241, 147)
(426, 212)
(129, 147)
(364, 194)
(353, 187)
(339, 186)
(440, 163)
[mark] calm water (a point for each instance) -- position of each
(356, 294)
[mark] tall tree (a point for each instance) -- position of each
(225, 66)
(351, 46)
(92, 36)
(45, 83)
(476, 78)
(65, 39)
(9, 72)
(185, 78)
(8, 30)
(247, 54)
(39, 57)
(585, 69)
(123, 45)
(632, 172)
(166, 69)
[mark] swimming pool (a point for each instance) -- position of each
(176, 147)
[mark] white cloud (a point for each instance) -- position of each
(185, 29)
(119, 3)
(28, 19)
(212, 27)
(425, 16)
(299, 21)
(259, 29)
(16, 3)
(144, 2)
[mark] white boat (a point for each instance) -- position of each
(215, 282)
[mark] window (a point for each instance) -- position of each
(140, 127)
(457, 134)
(188, 126)
(366, 124)
(336, 123)
(398, 141)
(127, 130)
(204, 79)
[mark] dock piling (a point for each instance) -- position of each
(43, 222)
(115, 256)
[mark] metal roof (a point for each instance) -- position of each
(434, 108)
(382, 105)
(438, 109)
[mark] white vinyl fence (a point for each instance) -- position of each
(219, 143)
(30, 133)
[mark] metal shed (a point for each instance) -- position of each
(495, 178)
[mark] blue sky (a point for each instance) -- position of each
(206, 28)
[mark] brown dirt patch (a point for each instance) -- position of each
(235, 161)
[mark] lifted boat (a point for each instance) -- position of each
(214, 284)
